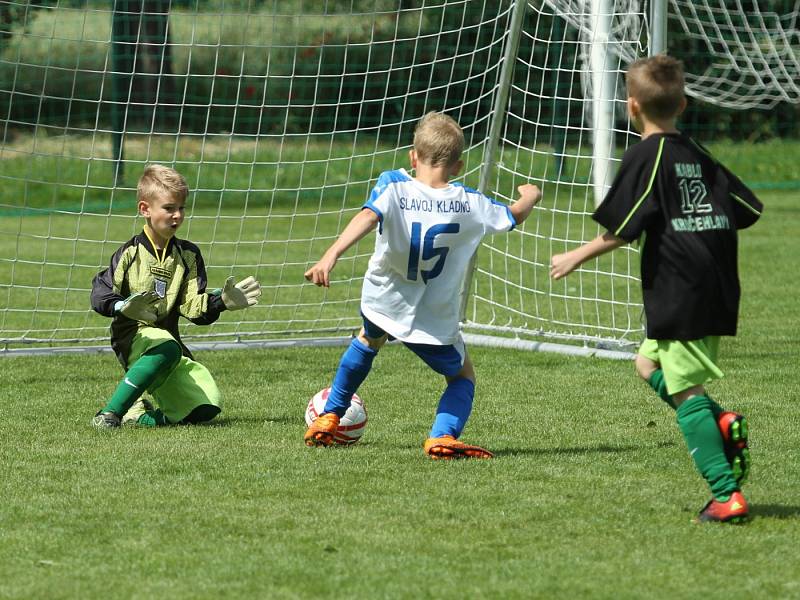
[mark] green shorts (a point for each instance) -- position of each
(685, 363)
(183, 389)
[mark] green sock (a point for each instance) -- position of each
(657, 382)
(141, 375)
(715, 408)
(153, 418)
(696, 421)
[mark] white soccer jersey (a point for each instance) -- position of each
(424, 244)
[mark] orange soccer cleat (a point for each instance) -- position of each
(447, 447)
(321, 431)
(733, 511)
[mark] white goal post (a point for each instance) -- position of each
(282, 113)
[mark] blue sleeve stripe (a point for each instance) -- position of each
(374, 209)
(510, 216)
(376, 193)
(467, 189)
(371, 206)
(470, 190)
(394, 176)
(386, 178)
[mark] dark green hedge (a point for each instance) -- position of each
(327, 73)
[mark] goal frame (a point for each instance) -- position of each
(602, 152)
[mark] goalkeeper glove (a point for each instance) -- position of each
(139, 307)
(242, 295)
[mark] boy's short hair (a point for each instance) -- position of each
(657, 83)
(438, 140)
(158, 181)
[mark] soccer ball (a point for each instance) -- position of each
(351, 425)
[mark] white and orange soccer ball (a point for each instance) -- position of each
(351, 425)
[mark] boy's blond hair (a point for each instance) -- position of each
(438, 140)
(158, 181)
(657, 83)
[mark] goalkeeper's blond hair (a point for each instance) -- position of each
(158, 181)
(438, 140)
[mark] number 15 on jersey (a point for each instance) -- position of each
(428, 249)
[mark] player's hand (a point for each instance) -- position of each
(242, 295)
(320, 273)
(562, 265)
(530, 192)
(139, 307)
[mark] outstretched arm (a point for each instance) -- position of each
(357, 228)
(562, 265)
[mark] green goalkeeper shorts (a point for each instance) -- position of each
(186, 387)
(685, 363)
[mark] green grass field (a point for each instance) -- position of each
(590, 495)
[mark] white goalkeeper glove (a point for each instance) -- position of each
(139, 307)
(242, 295)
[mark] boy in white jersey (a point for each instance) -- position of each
(428, 230)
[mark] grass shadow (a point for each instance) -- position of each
(258, 420)
(578, 450)
(774, 511)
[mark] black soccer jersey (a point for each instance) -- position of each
(178, 276)
(688, 207)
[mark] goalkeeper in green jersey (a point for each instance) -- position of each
(153, 279)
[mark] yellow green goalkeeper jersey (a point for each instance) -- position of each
(177, 274)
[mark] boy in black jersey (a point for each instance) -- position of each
(153, 279)
(688, 207)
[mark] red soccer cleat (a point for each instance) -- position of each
(447, 447)
(732, 511)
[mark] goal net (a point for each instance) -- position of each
(750, 51)
(282, 113)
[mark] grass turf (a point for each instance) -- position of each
(590, 495)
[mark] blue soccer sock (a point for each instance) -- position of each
(353, 370)
(454, 409)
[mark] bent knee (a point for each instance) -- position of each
(645, 367)
(373, 343)
(169, 353)
(202, 414)
(466, 372)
